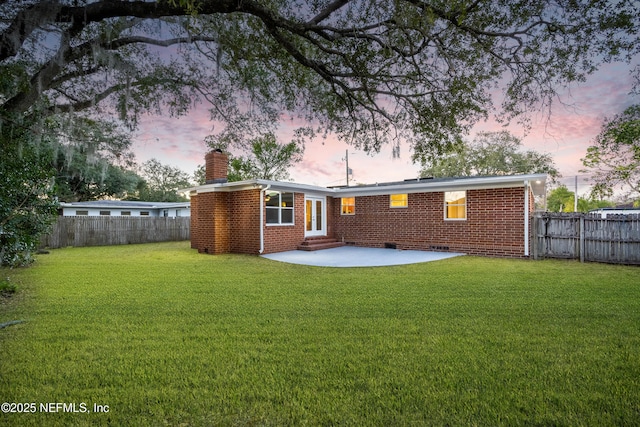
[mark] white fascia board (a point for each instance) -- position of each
(95, 204)
(296, 188)
(225, 187)
(82, 205)
(259, 184)
(422, 186)
(428, 186)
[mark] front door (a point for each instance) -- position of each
(315, 216)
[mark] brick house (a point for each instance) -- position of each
(473, 215)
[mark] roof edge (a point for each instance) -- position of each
(411, 186)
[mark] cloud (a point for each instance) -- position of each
(177, 141)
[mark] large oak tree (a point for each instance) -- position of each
(369, 71)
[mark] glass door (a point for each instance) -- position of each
(315, 216)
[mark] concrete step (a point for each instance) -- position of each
(318, 243)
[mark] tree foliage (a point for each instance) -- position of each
(27, 207)
(369, 71)
(561, 199)
(162, 182)
(614, 157)
(266, 158)
(490, 153)
(92, 159)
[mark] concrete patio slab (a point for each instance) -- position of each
(351, 256)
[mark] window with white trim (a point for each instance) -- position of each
(279, 207)
(348, 205)
(455, 205)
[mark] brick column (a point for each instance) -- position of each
(194, 230)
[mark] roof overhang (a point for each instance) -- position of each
(118, 204)
(259, 184)
(536, 182)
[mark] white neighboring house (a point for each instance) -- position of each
(126, 208)
(603, 212)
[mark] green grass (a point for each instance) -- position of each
(165, 336)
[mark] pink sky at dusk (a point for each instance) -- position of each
(179, 142)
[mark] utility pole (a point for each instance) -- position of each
(347, 159)
(575, 197)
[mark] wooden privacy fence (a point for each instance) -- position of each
(112, 230)
(588, 237)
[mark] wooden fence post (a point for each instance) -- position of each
(582, 245)
(535, 252)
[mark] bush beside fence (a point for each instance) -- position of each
(109, 230)
(587, 237)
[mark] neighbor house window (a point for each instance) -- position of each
(348, 205)
(279, 207)
(82, 213)
(144, 213)
(398, 200)
(105, 213)
(125, 213)
(455, 205)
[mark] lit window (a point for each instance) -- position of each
(398, 200)
(279, 208)
(348, 205)
(455, 205)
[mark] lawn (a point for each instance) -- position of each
(162, 335)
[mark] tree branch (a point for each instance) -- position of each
(337, 4)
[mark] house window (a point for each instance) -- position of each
(144, 213)
(125, 213)
(348, 205)
(398, 200)
(279, 207)
(105, 213)
(455, 205)
(82, 213)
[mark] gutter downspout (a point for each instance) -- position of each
(526, 218)
(262, 193)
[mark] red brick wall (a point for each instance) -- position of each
(211, 223)
(279, 238)
(230, 223)
(221, 222)
(244, 222)
(494, 224)
(193, 226)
